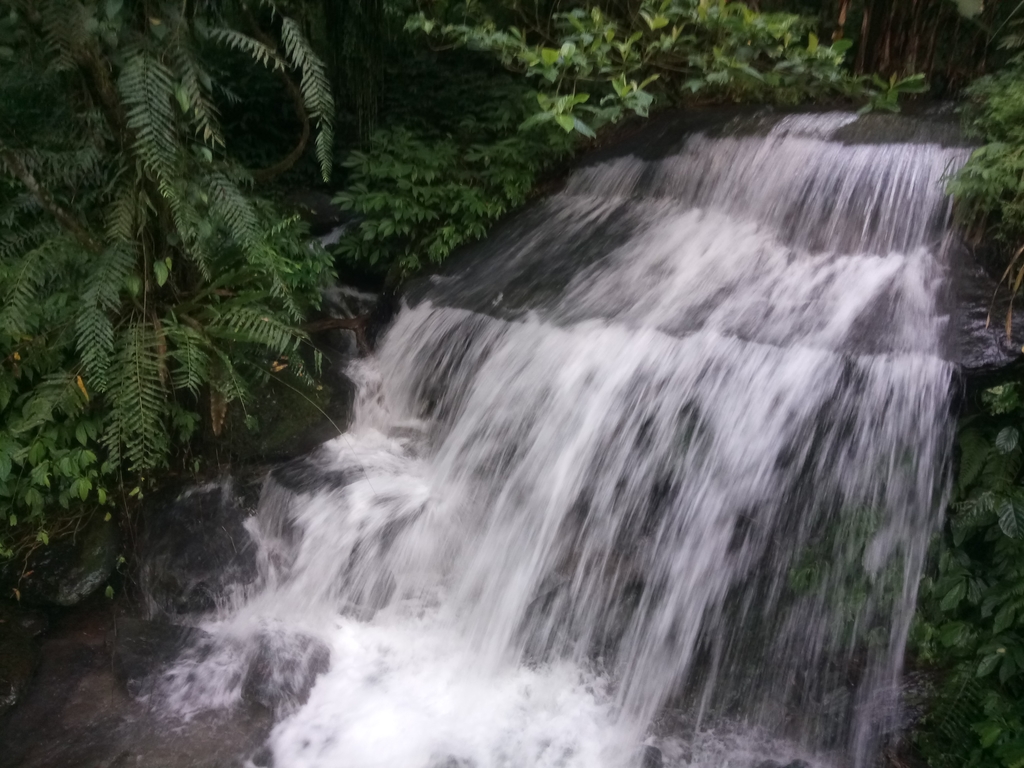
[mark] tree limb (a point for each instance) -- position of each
(289, 160)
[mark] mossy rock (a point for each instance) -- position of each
(69, 569)
(285, 420)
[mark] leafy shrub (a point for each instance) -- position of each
(592, 66)
(142, 281)
(971, 619)
(421, 192)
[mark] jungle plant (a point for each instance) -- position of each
(143, 282)
(592, 66)
(971, 617)
(421, 190)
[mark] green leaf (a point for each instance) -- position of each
(549, 56)
(109, 592)
(567, 122)
(812, 43)
(113, 7)
(1004, 619)
(1007, 439)
(953, 597)
(161, 271)
(1009, 523)
(988, 732)
(182, 96)
(988, 664)
(583, 128)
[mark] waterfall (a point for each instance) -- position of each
(660, 464)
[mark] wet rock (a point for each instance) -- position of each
(68, 569)
(650, 757)
(263, 757)
(139, 649)
(193, 546)
(282, 671)
(318, 210)
(979, 341)
(19, 652)
(768, 764)
(797, 764)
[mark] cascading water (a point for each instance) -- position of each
(663, 465)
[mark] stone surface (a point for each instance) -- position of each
(19, 651)
(979, 341)
(193, 546)
(77, 714)
(282, 671)
(69, 568)
(139, 649)
(650, 757)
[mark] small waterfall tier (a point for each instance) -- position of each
(656, 464)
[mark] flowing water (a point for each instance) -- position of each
(660, 467)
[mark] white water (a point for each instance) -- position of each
(684, 500)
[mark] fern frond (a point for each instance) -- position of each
(243, 43)
(93, 326)
(136, 430)
(192, 369)
(257, 326)
(64, 25)
(15, 241)
(125, 213)
(315, 87)
(26, 279)
(147, 89)
(233, 209)
(196, 85)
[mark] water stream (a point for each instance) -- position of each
(660, 467)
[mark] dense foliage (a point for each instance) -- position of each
(143, 281)
(971, 624)
(421, 188)
(592, 66)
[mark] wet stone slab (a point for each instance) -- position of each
(78, 713)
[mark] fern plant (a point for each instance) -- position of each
(143, 281)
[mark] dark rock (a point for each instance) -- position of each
(979, 342)
(451, 761)
(69, 568)
(650, 757)
(263, 757)
(797, 764)
(193, 545)
(768, 764)
(318, 210)
(283, 669)
(139, 649)
(19, 652)
(290, 420)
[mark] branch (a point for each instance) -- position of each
(356, 324)
(69, 222)
(285, 163)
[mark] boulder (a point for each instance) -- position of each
(282, 670)
(193, 546)
(69, 568)
(139, 649)
(650, 757)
